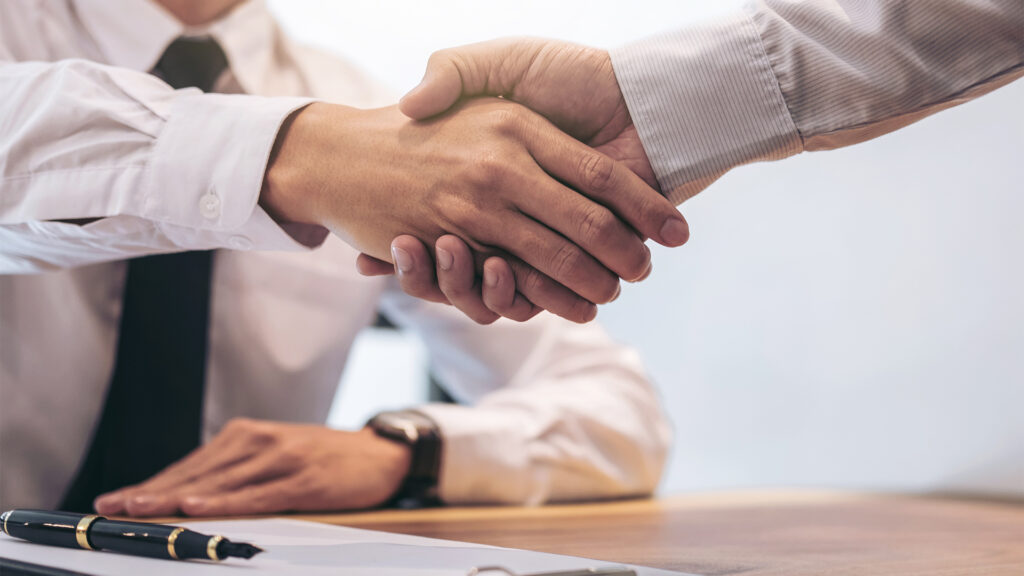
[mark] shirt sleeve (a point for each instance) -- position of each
(100, 163)
(786, 76)
(548, 410)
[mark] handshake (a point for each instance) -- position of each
(510, 181)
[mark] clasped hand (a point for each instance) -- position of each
(575, 88)
(561, 221)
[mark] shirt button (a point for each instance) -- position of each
(209, 206)
(240, 243)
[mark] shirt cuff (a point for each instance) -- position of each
(704, 100)
(206, 172)
(482, 459)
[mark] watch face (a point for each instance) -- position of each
(397, 426)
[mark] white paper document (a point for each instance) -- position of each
(294, 547)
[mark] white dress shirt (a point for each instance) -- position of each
(785, 76)
(550, 410)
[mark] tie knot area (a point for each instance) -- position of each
(192, 62)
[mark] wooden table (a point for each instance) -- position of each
(754, 534)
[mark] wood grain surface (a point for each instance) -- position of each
(790, 533)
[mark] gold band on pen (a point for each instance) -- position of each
(211, 548)
(82, 531)
(5, 517)
(171, 540)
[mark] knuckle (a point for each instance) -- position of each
(437, 199)
(488, 170)
(565, 261)
(291, 455)
(596, 172)
(595, 224)
(534, 282)
(506, 119)
(253, 431)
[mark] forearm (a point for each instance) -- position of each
(551, 411)
(791, 76)
(509, 452)
(100, 163)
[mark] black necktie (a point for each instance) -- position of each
(153, 410)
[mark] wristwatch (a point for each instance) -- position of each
(421, 434)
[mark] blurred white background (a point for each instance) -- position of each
(850, 319)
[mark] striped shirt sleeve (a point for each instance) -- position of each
(785, 76)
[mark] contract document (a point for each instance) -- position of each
(294, 548)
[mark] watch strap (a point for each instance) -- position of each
(422, 435)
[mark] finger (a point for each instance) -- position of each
(142, 496)
(224, 451)
(549, 295)
(150, 498)
(491, 68)
(456, 275)
(110, 504)
(558, 259)
(370, 266)
(415, 269)
(148, 505)
(609, 182)
(275, 496)
(590, 225)
(499, 292)
(263, 468)
(236, 443)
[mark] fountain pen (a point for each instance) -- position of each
(92, 532)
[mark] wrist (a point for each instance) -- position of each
(294, 182)
(393, 456)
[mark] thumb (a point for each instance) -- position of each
(492, 68)
(440, 88)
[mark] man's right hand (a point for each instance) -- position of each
(575, 88)
(569, 220)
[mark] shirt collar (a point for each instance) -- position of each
(130, 33)
(134, 34)
(250, 37)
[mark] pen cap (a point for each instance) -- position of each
(45, 527)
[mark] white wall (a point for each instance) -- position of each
(850, 318)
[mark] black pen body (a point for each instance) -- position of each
(42, 527)
(98, 533)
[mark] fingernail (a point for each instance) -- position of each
(618, 292)
(444, 259)
(675, 231)
(490, 278)
(402, 259)
(195, 504)
(143, 503)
